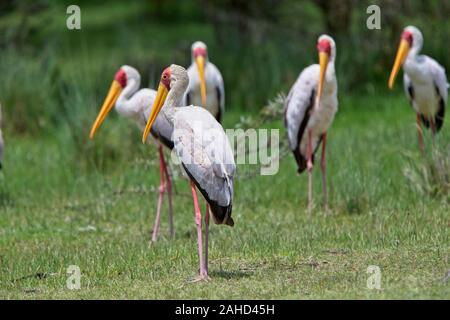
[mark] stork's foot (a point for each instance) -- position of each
(311, 207)
(326, 209)
(200, 277)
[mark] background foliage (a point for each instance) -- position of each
(260, 45)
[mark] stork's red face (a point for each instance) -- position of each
(161, 95)
(324, 46)
(165, 78)
(119, 82)
(121, 78)
(199, 51)
(408, 37)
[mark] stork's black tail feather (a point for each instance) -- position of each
(221, 214)
(301, 161)
(425, 121)
(440, 115)
(438, 119)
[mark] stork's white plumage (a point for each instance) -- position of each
(135, 104)
(206, 87)
(204, 151)
(424, 80)
(309, 111)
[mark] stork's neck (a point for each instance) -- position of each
(330, 77)
(174, 99)
(412, 66)
(122, 104)
(414, 52)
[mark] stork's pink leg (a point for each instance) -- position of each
(206, 237)
(323, 166)
(161, 196)
(198, 223)
(168, 188)
(309, 166)
(419, 133)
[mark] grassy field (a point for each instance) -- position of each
(57, 211)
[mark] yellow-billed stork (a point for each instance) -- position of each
(135, 104)
(424, 80)
(204, 151)
(205, 87)
(309, 111)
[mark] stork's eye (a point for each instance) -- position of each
(165, 78)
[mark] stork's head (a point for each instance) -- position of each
(410, 41)
(173, 78)
(327, 51)
(200, 56)
(125, 76)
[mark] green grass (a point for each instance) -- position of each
(56, 213)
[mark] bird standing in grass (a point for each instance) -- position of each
(135, 104)
(309, 111)
(206, 87)
(424, 80)
(204, 151)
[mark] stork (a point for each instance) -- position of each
(204, 151)
(206, 87)
(424, 80)
(309, 111)
(135, 104)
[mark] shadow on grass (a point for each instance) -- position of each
(229, 275)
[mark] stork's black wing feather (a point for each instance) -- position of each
(188, 98)
(299, 158)
(219, 113)
(439, 118)
(221, 214)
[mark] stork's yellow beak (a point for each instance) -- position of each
(110, 100)
(161, 96)
(323, 62)
(200, 62)
(402, 53)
